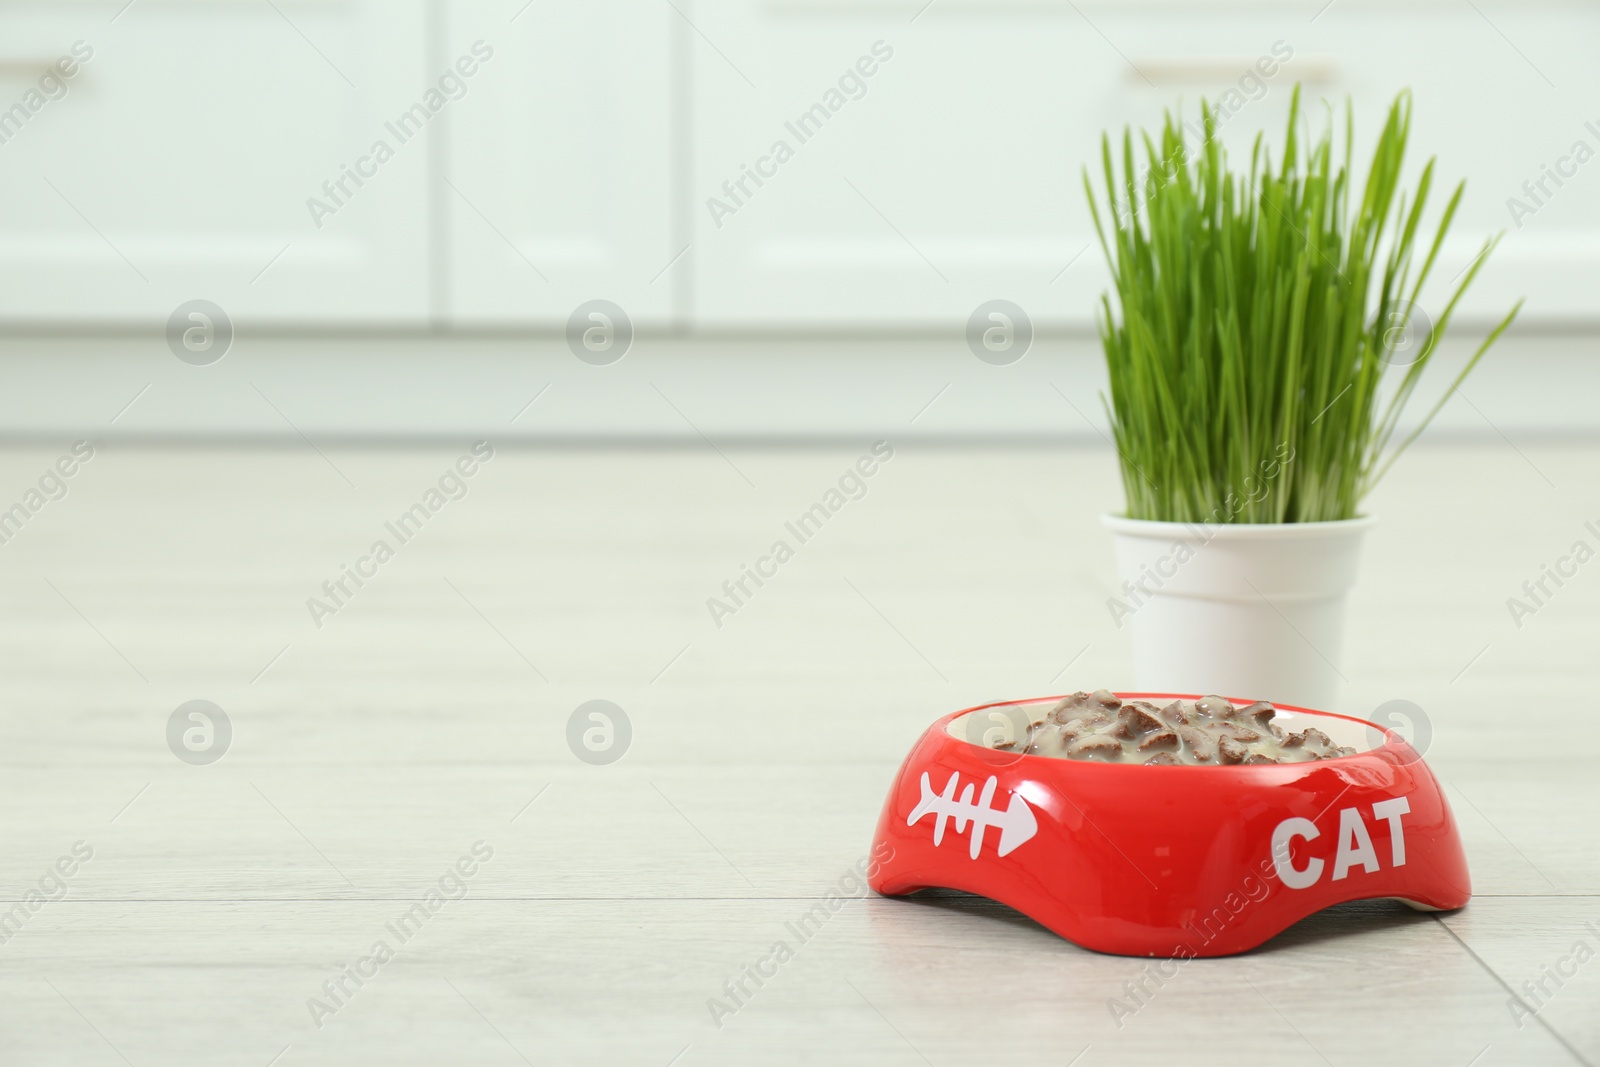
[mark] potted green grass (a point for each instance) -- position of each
(1263, 343)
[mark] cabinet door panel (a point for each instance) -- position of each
(181, 160)
(558, 173)
(907, 195)
(954, 176)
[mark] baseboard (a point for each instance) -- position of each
(720, 388)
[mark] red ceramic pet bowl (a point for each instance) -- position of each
(1174, 861)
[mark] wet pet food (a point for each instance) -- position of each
(1206, 732)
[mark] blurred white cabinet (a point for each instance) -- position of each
(557, 181)
(181, 159)
(953, 174)
(852, 166)
(744, 164)
(1503, 91)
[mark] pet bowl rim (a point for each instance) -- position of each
(1392, 742)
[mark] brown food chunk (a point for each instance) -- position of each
(1165, 739)
(1256, 757)
(1309, 736)
(1134, 720)
(1232, 751)
(1106, 699)
(1214, 706)
(1083, 724)
(1163, 759)
(1236, 731)
(1103, 745)
(1068, 708)
(1175, 713)
(1260, 712)
(1201, 744)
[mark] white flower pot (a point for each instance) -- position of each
(1250, 610)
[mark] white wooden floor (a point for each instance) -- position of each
(431, 712)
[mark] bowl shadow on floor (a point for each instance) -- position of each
(1351, 919)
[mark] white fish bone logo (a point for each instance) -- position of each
(1016, 823)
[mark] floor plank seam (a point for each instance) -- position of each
(1560, 1038)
